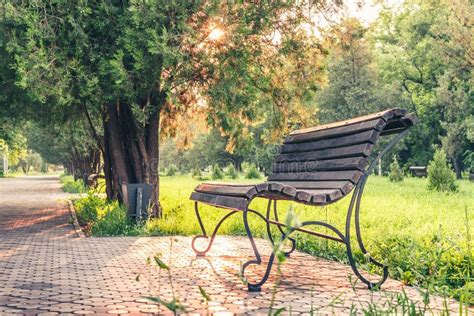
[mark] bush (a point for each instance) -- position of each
(232, 172)
(87, 208)
(171, 170)
(217, 172)
(101, 218)
(440, 176)
(72, 186)
(252, 173)
(196, 172)
(44, 167)
(396, 173)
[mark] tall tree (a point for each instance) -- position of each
(137, 64)
(354, 87)
(426, 48)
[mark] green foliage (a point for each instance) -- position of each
(396, 173)
(33, 161)
(423, 51)
(12, 142)
(217, 172)
(196, 172)
(44, 167)
(469, 161)
(440, 176)
(231, 172)
(72, 186)
(102, 218)
(87, 208)
(252, 172)
(354, 87)
(171, 170)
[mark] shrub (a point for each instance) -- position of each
(217, 172)
(396, 173)
(232, 172)
(87, 208)
(171, 170)
(101, 218)
(196, 172)
(72, 186)
(44, 167)
(440, 176)
(252, 173)
(112, 221)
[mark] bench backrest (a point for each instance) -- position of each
(333, 156)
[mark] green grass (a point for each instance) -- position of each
(424, 236)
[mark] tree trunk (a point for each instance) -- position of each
(131, 152)
(108, 170)
(153, 152)
(117, 154)
(457, 168)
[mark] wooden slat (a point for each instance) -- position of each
(352, 176)
(229, 202)
(311, 197)
(385, 115)
(229, 184)
(352, 163)
(344, 186)
(331, 194)
(341, 152)
(247, 191)
(376, 124)
(262, 187)
(369, 136)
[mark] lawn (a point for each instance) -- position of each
(424, 236)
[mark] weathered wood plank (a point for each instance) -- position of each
(351, 175)
(350, 163)
(369, 136)
(332, 153)
(331, 194)
(385, 115)
(313, 189)
(262, 187)
(229, 202)
(376, 124)
(247, 191)
(344, 186)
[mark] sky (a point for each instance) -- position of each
(368, 11)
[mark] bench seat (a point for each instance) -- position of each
(238, 196)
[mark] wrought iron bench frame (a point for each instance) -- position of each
(344, 238)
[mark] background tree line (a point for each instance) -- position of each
(418, 58)
(95, 85)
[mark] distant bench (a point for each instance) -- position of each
(316, 166)
(418, 171)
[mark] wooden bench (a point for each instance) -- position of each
(419, 171)
(316, 166)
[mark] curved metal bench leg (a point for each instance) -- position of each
(255, 287)
(201, 253)
(355, 201)
(269, 233)
(293, 241)
(357, 197)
